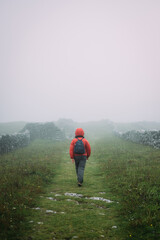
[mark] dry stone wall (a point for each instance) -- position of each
(151, 138)
(30, 132)
(12, 142)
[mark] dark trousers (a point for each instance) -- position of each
(80, 162)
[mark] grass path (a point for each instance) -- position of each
(60, 216)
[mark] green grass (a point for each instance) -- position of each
(133, 174)
(126, 173)
(23, 176)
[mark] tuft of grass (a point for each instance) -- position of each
(133, 175)
(23, 176)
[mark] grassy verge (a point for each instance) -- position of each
(133, 175)
(23, 176)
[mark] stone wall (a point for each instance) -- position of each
(151, 138)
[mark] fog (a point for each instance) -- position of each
(84, 60)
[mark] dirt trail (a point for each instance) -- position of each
(67, 211)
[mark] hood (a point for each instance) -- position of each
(79, 132)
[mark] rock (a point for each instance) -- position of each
(73, 195)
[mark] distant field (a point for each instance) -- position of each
(11, 127)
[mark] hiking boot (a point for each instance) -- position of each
(79, 184)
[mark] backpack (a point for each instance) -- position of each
(79, 147)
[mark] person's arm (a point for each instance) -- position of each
(71, 150)
(88, 149)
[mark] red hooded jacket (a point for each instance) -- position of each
(79, 133)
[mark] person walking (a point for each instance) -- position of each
(80, 151)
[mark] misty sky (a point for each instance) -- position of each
(79, 59)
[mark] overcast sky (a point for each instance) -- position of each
(80, 59)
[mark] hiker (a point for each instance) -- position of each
(80, 151)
